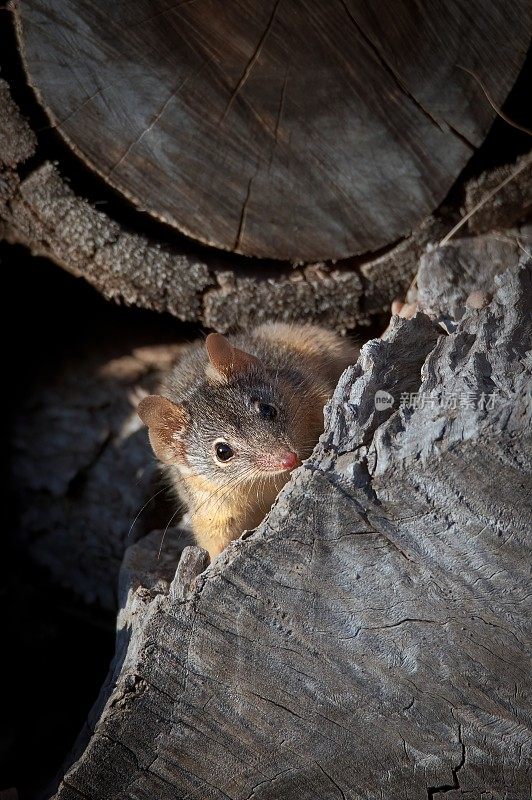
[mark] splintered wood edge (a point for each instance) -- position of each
(188, 608)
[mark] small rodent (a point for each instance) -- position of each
(239, 414)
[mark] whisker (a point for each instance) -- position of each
(142, 509)
(238, 481)
(165, 530)
(225, 488)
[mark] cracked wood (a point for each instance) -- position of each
(180, 108)
(372, 637)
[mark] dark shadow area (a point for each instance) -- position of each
(504, 143)
(56, 649)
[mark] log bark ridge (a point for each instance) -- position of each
(291, 131)
(370, 638)
(40, 209)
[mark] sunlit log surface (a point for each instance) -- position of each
(371, 638)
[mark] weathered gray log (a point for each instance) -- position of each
(371, 638)
(448, 274)
(42, 211)
(293, 131)
(45, 214)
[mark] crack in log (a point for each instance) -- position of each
(331, 779)
(251, 63)
(400, 83)
(281, 103)
(59, 123)
(280, 109)
(218, 77)
(72, 788)
(223, 631)
(142, 771)
(337, 483)
(243, 213)
(268, 780)
(459, 135)
(512, 664)
(274, 703)
(121, 221)
(193, 623)
(455, 786)
(402, 622)
(155, 119)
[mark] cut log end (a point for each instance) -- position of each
(263, 141)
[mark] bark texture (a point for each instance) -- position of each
(507, 205)
(370, 638)
(39, 208)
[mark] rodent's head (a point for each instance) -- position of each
(243, 422)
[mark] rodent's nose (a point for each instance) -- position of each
(289, 461)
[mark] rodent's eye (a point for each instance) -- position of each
(224, 452)
(264, 410)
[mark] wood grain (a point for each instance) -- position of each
(372, 637)
(291, 130)
(42, 211)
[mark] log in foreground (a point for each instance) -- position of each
(369, 638)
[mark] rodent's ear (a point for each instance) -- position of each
(226, 359)
(165, 421)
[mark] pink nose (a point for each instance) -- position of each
(289, 461)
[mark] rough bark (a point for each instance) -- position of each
(43, 212)
(269, 132)
(370, 638)
(40, 209)
(507, 205)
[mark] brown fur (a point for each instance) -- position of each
(215, 393)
